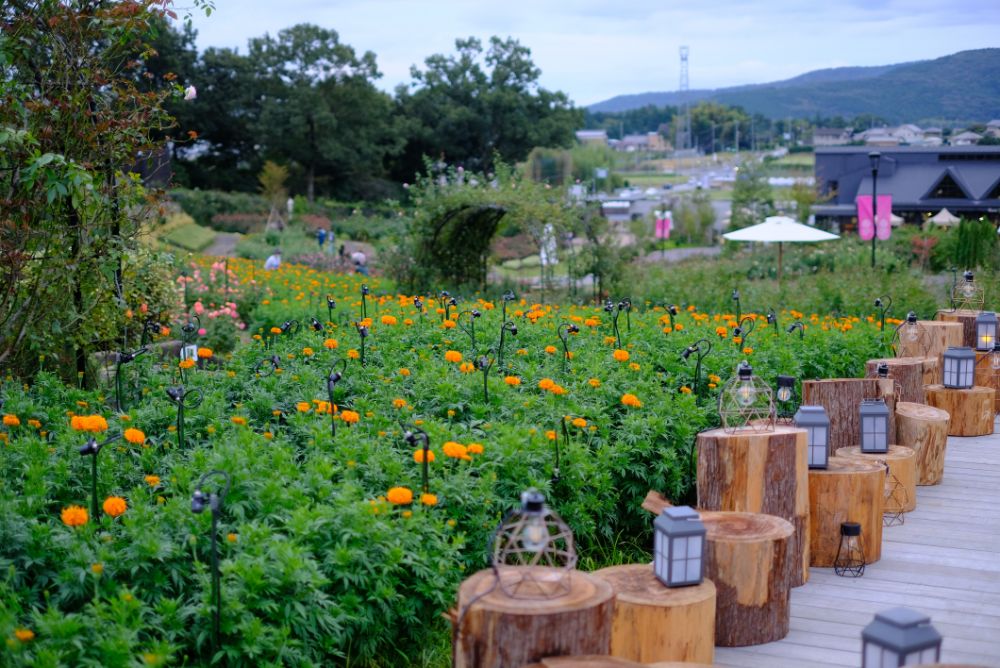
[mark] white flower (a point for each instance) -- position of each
(190, 93)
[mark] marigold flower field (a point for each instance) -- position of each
(333, 550)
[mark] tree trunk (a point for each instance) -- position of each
(848, 490)
(496, 631)
(654, 622)
(938, 337)
(908, 372)
(987, 376)
(925, 430)
(971, 410)
(585, 661)
(967, 319)
(841, 397)
(902, 463)
(764, 472)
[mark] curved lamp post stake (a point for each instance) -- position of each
(364, 300)
(797, 325)
(183, 399)
(474, 314)
(564, 331)
(331, 304)
(411, 436)
(273, 363)
(149, 327)
(699, 352)
(362, 334)
(744, 329)
(332, 379)
(672, 312)
(123, 358)
(626, 305)
(508, 297)
(190, 330)
(736, 298)
(290, 327)
(883, 304)
(418, 304)
(93, 448)
(484, 364)
(213, 501)
(772, 319)
(507, 326)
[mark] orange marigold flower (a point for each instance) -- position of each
(231, 537)
(399, 496)
(303, 406)
(747, 350)
(513, 381)
(399, 403)
(475, 448)
(722, 332)
(91, 423)
(448, 324)
(557, 389)
(429, 499)
(678, 327)
(610, 340)
(164, 331)
(276, 330)
(135, 436)
(522, 351)
(594, 382)
(418, 456)
(11, 421)
(579, 422)
(591, 322)
(407, 321)
(621, 355)
(455, 450)
(629, 399)
(185, 364)
(35, 423)
(404, 372)
(389, 320)
(550, 349)
(308, 352)
(634, 366)
(452, 356)
(74, 516)
(546, 384)
(550, 434)
(204, 353)
(466, 367)
(330, 344)
(350, 417)
(97, 568)
(152, 480)
(24, 635)
(353, 354)
(685, 389)
(236, 419)
(114, 506)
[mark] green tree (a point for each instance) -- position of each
(753, 198)
(804, 196)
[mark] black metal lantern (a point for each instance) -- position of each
(850, 559)
(959, 368)
(784, 398)
(899, 637)
(817, 425)
(986, 330)
(874, 420)
(679, 547)
(882, 370)
(533, 551)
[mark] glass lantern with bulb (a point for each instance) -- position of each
(785, 399)
(986, 330)
(967, 294)
(533, 551)
(910, 338)
(746, 402)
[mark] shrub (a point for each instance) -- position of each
(204, 205)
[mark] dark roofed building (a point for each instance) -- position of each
(922, 180)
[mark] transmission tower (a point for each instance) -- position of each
(684, 125)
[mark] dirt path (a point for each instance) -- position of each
(224, 244)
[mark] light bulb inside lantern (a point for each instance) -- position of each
(536, 534)
(968, 289)
(746, 394)
(912, 333)
(784, 393)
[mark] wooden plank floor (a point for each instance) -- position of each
(944, 561)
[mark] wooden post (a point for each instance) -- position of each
(907, 372)
(841, 397)
(848, 490)
(939, 336)
(925, 430)
(902, 463)
(966, 318)
(931, 371)
(493, 630)
(971, 410)
(763, 472)
(987, 376)
(654, 622)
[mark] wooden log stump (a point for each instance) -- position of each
(654, 622)
(841, 397)
(763, 472)
(987, 376)
(907, 372)
(499, 631)
(966, 318)
(924, 429)
(931, 372)
(971, 410)
(938, 337)
(848, 490)
(680, 664)
(585, 661)
(902, 463)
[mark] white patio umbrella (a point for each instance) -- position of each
(780, 229)
(945, 217)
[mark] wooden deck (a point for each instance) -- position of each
(944, 561)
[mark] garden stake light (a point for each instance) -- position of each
(362, 335)
(149, 327)
(797, 325)
(183, 399)
(900, 637)
(736, 298)
(290, 327)
(507, 326)
(700, 353)
(364, 301)
(746, 402)
(331, 304)
(484, 364)
(411, 436)
(214, 501)
(508, 297)
(772, 319)
(92, 448)
(332, 379)
(123, 358)
(742, 330)
(273, 363)
(418, 304)
(469, 329)
(968, 294)
(564, 331)
(315, 324)
(785, 398)
(883, 304)
(626, 305)
(672, 312)
(189, 332)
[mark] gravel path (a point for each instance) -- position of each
(224, 245)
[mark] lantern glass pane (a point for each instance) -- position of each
(694, 546)
(879, 426)
(912, 659)
(967, 373)
(930, 655)
(819, 436)
(693, 570)
(678, 569)
(679, 550)
(873, 656)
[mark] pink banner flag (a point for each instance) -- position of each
(866, 226)
(883, 222)
(663, 224)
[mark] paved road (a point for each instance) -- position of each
(224, 245)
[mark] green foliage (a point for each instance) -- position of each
(753, 199)
(975, 244)
(694, 218)
(206, 206)
(272, 179)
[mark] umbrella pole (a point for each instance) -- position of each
(780, 252)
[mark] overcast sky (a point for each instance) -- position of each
(595, 49)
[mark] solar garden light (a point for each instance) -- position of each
(899, 637)
(679, 547)
(736, 298)
(967, 288)
(272, 364)
(411, 436)
(626, 305)
(332, 379)
(531, 536)
(772, 319)
(93, 448)
(290, 327)
(362, 334)
(484, 364)
(331, 304)
(123, 358)
(615, 311)
(797, 325)
(149, 327)
(564, 330)
(418, 304)
(817, 425)
(671, 313)
(213, 501)
(874, 418)
(785, 399)
(364, 300)
(183, 399)
(315, 324)
(507, 326)
(959, 368)
(508, 297)
(699, 352)
(882, 370)
(469, 329)
(986, 330)
(743, 329)
(189, 332)
(850, 559)
(448, 301)
(883, 304)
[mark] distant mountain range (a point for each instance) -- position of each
(962, 86)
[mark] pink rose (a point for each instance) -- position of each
(199, 308)
(202, 332)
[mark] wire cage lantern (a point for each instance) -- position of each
(967, 294)
(986, 331)
(533, 551)
(910, 338)
(959, 368)
(850, 559)
(746, 402)
(896, 499)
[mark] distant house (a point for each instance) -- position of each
(592, 137)
(831, 136)
(993, 128)
(650, 141)
(877, 137)
(932, 137)
(908, 134)
(966, 138)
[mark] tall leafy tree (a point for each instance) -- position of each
(753, 198)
